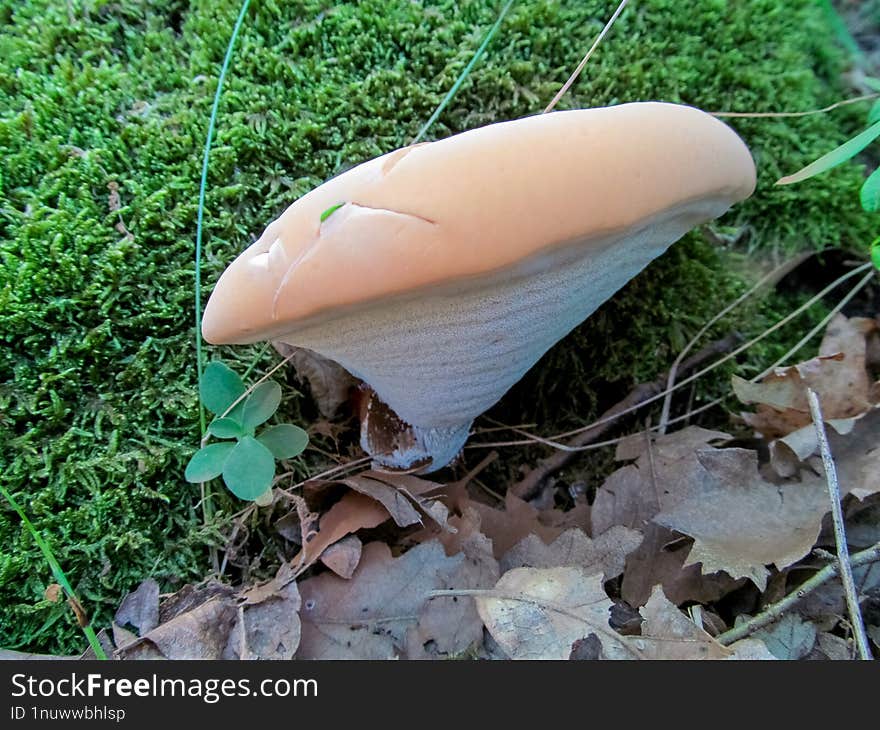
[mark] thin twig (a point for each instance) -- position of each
(777, 115)
(846, 576)
(580, 67)
(775, 610)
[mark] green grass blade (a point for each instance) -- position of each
(202, 188)
(846, 151)
(465, 73)
(870, 192)
(55, 567)
(841, 31)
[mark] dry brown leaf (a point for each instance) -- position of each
(606, 554)
(740, 522)
(140, 608)
(540, 613)
(371, 615)
(353, 512)
(840, 377)
(634, 494)
(448, 626)
(505, 528)
(668, 634)
(343, 557)
(270, 628)
(399, 506)
(201, 633)
(660, 560)
(328, 381)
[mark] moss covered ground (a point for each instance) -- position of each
(104, 108)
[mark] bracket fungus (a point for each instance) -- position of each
(440, 273)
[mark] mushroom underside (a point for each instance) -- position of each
(440, 358)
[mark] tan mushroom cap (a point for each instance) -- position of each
(447, 212)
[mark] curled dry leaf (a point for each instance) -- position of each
(353, 512)
(839, 375)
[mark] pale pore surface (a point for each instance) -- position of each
(442, 358)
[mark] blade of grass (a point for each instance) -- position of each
(846, 151)
(207, 503)
(57, 572)
(202, 188)
(465, 73)
(841, 31)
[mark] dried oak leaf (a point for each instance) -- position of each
(606, 554)
(562, 613)
(541, 613)
(371, 615)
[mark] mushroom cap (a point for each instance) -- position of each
(444, 215)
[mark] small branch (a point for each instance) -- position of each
(529, 485)
(846, 576)
(775, 610)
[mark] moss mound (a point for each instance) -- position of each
(103, 114)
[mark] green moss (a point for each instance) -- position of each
(98, 411)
